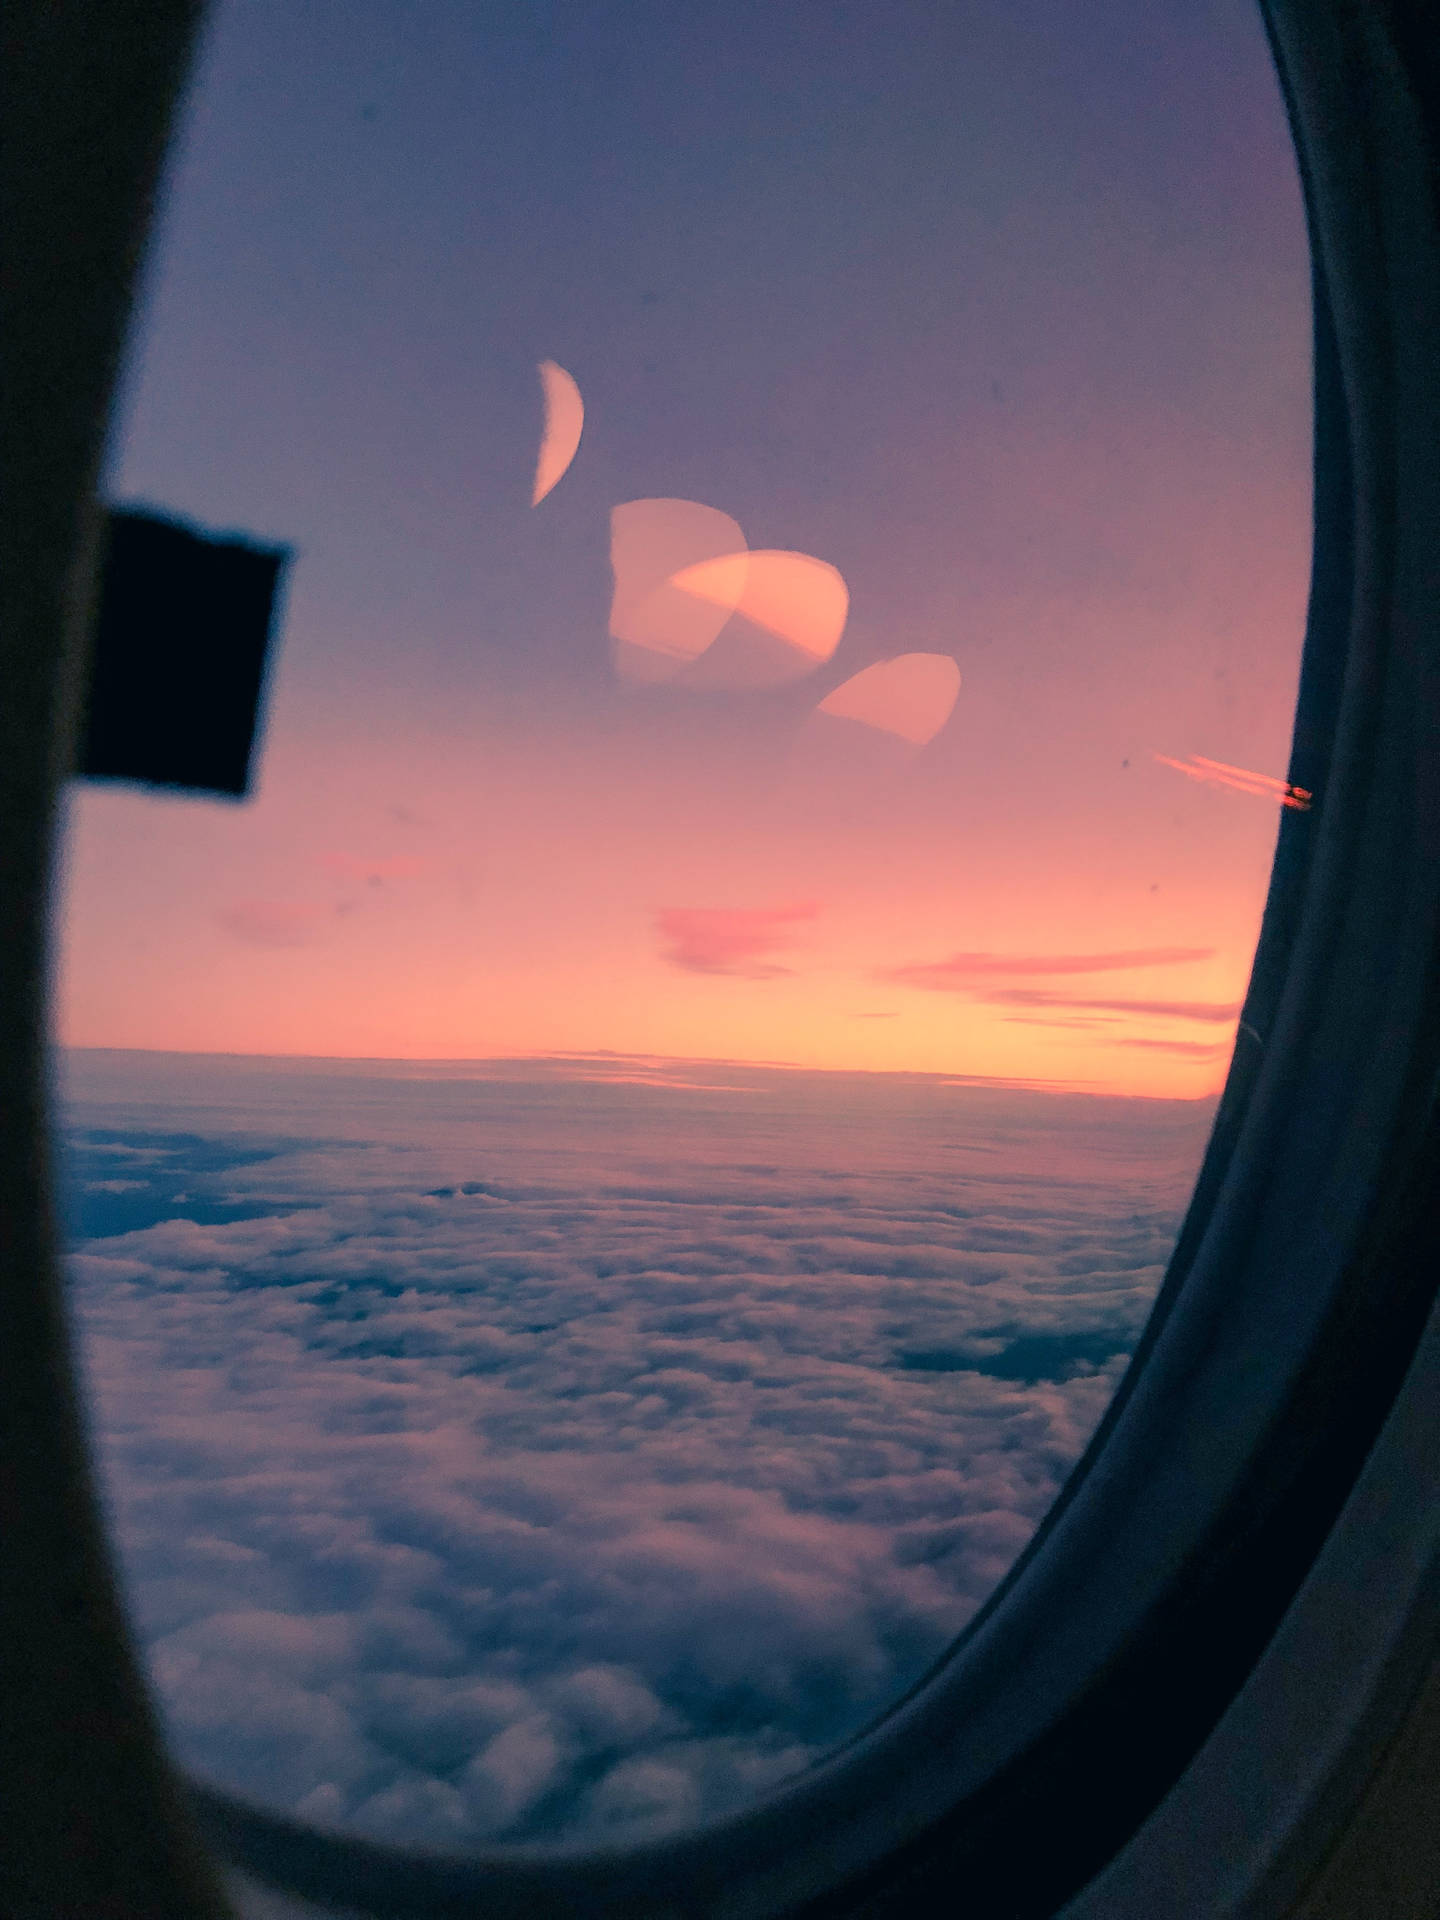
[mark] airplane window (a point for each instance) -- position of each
(607, 1199)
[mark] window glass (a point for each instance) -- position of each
(608, 1196)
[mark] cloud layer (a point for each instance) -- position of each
(577, 1460)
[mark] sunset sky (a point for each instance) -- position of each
(1000, 312)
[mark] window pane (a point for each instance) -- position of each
(608, 1197)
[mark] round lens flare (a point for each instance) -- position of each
(692, 600)
(911, 696)
(564, 422)
(787, 613)
(658, 629)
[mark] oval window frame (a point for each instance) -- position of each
(1264, 1454)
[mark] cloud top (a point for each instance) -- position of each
(560, 1461)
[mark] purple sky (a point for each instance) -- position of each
(1001, 311)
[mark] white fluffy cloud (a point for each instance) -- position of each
(475, 1487)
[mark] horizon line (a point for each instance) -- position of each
(996, 1082)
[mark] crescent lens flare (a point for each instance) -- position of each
(564, 423)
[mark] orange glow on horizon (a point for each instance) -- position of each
(387, 953)
(649, 897)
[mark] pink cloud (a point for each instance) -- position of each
(1221, 1012)
(732, 940)
(961, 970)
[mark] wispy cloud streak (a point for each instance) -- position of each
(1182, 1049)
(1218, 773)
(1221, 1012)
(961, 972)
